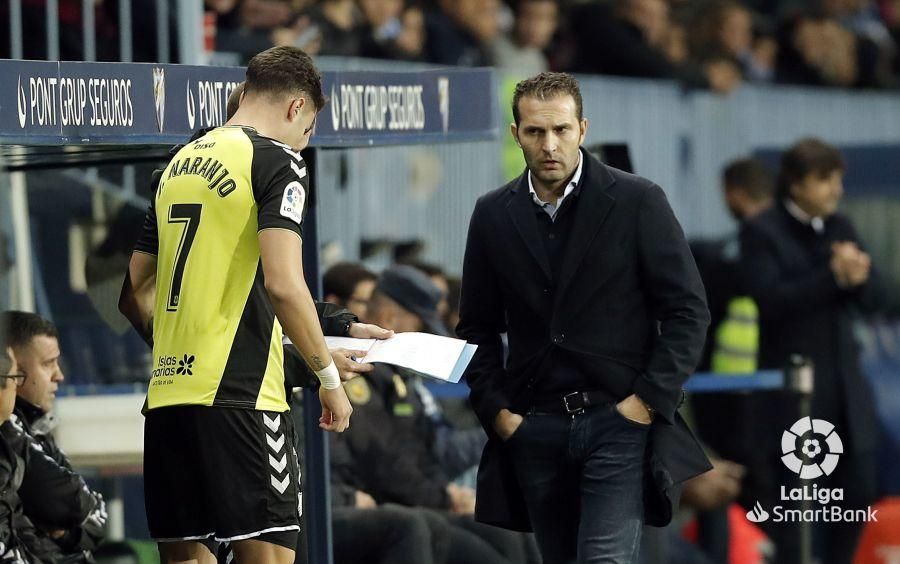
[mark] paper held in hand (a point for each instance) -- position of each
(441, 358)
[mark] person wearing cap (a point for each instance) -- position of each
(388, 453)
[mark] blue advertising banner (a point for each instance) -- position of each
(71, 103)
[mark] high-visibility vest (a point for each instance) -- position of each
(737, 338)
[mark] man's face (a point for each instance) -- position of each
(550, 133)
(8, 388)
(358, 302)
(39, 359)
(818, 194)
(536, 23)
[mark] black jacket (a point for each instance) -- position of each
(628, 309)
(388, 451)
(20, 461)
(803, 311)
(53, 495)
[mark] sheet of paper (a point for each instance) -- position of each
(439, 357)
(349, 343)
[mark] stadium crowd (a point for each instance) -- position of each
(714, 44)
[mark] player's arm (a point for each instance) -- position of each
(281, 252)
(136, 302)
(138, 296)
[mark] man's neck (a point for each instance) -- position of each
(247, 117)
(550, 193)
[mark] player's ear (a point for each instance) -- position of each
(295, 110)
(514, 131)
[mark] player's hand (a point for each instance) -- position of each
(347, 365)
(368, 331)
(336, 410)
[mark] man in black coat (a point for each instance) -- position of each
(803, 264)
(588, 272)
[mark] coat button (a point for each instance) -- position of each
(559, 338)
(546, 290)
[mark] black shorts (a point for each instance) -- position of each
(220, 473)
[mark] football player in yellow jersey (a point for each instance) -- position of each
(215, 277)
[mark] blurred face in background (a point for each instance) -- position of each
(380, 12)
(651, 17)
(358, 302)
(735, 32)
(39, 359)
(478, 17)
(819, 194)
(549, 133)
(536, 23)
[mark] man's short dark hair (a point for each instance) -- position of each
(234, 101)
(342, 278)
(805, 157)
(749, 176)
(21, 327)
(284, 70)
(545, 86)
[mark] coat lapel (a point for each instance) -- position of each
(593, 207)
(521, 210)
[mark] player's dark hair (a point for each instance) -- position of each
(805, 157)
(341, 279)
(285, 70)
(545, 86)
(21, 327)
(749, 176)
(234, 101)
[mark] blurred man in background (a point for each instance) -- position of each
(349, 285)
(808, 272)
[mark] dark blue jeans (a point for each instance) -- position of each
(582, 478)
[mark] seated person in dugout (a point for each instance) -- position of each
(388, 453)
(55, 498)
(34, 488)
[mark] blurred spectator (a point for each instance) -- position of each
(459, 32)
(522, 51)
(438, 278)
(631, 40)
(818, 51)
(247, 27)
(725, 29)
(338, 27)
(890, 10)
(805, 266)
(731, 347)
(392, 30)
(349, 285)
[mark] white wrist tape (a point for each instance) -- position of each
(329, 376)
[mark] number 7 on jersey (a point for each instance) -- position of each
(189, 215)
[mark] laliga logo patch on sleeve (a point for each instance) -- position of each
(292, 202)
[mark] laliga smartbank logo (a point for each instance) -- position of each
(811, 448)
